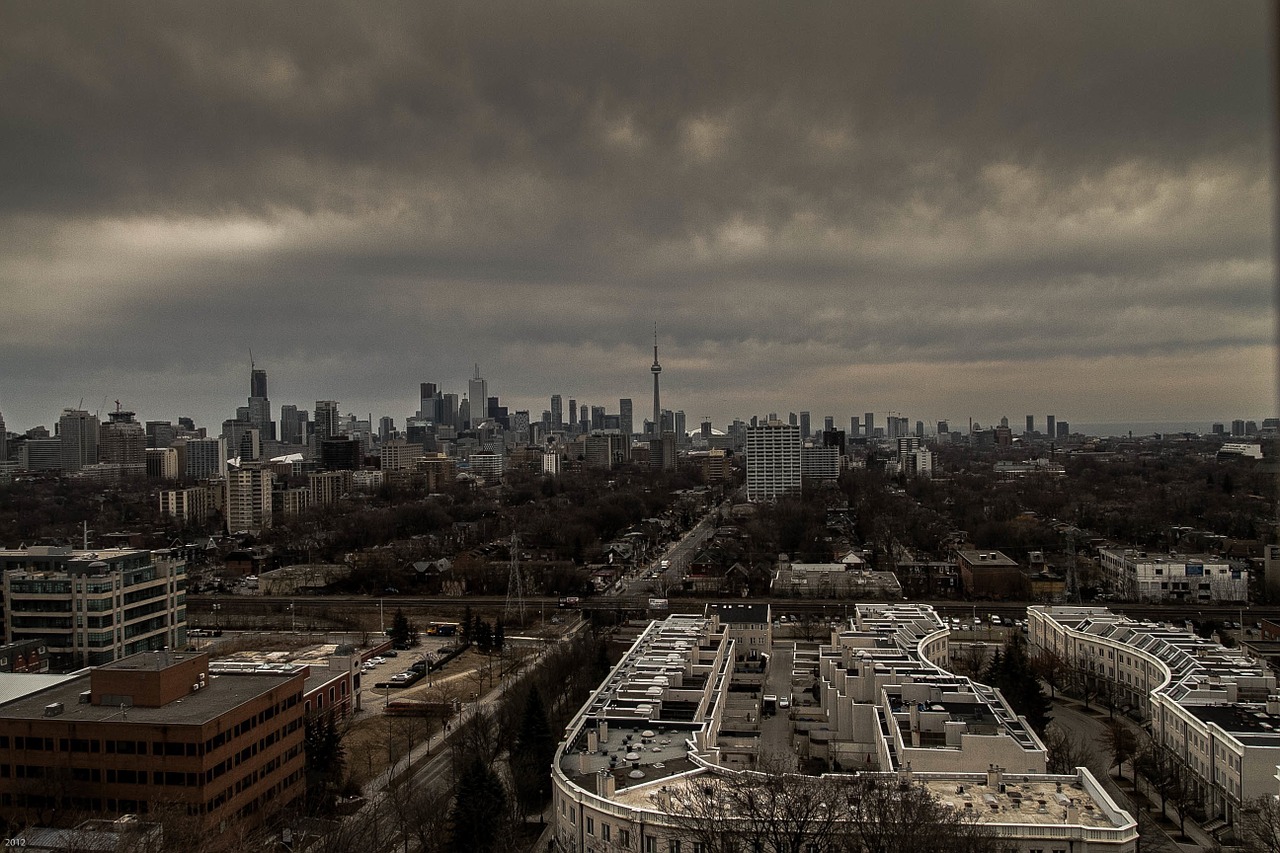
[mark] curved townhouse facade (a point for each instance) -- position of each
(1216, 709)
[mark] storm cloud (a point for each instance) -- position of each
(945, 209)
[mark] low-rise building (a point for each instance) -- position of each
(93, 607)
(155, 730)
(1141, 576)
(1215, 710)
(989, 575)
(659, 733)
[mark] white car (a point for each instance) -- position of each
(784, 702)
(377, 661)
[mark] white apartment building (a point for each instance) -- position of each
(188, 506)
(248, 498)
(93, 607)
(1141, 576)
(773, 461)
(666, 720)
(1216, 709)
(819, 463)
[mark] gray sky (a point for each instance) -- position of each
(945, 210)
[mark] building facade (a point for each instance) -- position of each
(1215, 710)
(155, 730)
(773, 461)
(1141, 576)
(93, 607)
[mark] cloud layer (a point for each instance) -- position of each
(947, 210)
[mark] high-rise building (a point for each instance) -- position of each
(205, 458)
(1064, 429)
(430, 402)
(1031, 424)
(584, 419)
(656, 369)
(869, 424)
(257, 383)
(259, 408)
(792, 419)
(943, 428)
(804, 425)
(4, 440)
(828, 423)
(290, 426)
(557, 412)
(326, 419)
(625, 422)
(682, 433)
(1049, 429)
(520, 422)
(78, 432)
(122, 441)
(160, 433)
(478, 394)
(248, 498)
(597, 417)
(386, 428)
(773, 461)
(449, 415)
(819, 462)
(855, 426)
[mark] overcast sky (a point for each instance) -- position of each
(945, 210)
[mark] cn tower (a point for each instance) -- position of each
(657, 368)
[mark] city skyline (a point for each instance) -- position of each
(970, 210)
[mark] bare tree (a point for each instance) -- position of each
(970, 660)
(887, 815)
(1260, 825)
(1052, 668)
(1083, 680)
(1066, 751)
(1121, 743)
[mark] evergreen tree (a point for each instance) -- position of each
(399, 632)
(499, 636)
(532, 755)
(479, 810)
(325, 758)
(1013, 674)
(483, 636)
(464, 628)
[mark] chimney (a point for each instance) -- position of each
(994, 775)
(582, 762)
(915, 724)
(593, 744)
(1073, 813)
(605, 784)
(602, 726)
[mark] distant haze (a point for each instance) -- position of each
(947, 210)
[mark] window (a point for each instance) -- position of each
(650, 844)
(624, 837)
(591, 826)
(673, 846)
(604, 831)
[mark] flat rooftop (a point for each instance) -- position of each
(222, 694)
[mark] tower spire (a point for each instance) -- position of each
(656, 369)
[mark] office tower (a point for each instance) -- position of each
(681, 431)
(597, 417)
(1237, 427)
(258, 412)
(943, 428)
(289, 426)
(464, 413)
(1031, 424)
(804, 425)
(205, 458)
(791, 419)
(828, 423)
(248, 498)
(1250, 427)
(4, 441)
(584, 419)
(386, 428)
(122, 441)
(1004, 422)
(257, 382)
(557, 412)
(478, 394)
(662, 451)
(624, 416)
(773, 461)
(187, 424)
(1049, 429)
(920, 429)
(668, 422)
(869, 424)
(160, 434)
(855, 426)
(891, 427)
(429, 402)
(706, 431)
(78, 432)
(834, 438)
(1064, 429)
(451, 409)
(326, 419)
(520, 421)
(1219, 429)
(656, 369)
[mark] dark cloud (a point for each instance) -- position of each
(806, 198)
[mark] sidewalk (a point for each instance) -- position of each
(1142, 796)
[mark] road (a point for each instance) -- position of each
(654, 578)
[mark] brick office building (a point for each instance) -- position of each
(155, 729)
